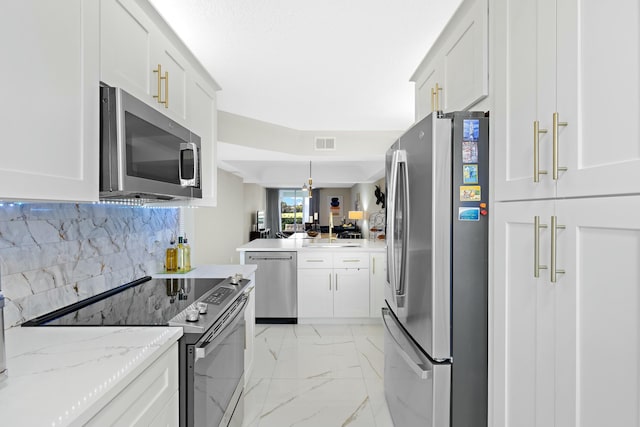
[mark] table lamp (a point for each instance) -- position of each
(356, 215)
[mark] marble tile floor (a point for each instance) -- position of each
(317, 376)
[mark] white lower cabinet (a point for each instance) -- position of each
(351, 293)
(150, 399)
(333, 285)
(377, 280)
(567, 352)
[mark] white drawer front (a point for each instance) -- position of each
(315, 259)
(350, 260)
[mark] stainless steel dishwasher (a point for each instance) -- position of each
(276, 286)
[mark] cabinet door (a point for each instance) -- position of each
(377, 280)
(466, 59)
(125, 48)
(203, 121)
(153, 391)
(433, 73)
(598, 97)
(351, 293)
(598, 316)
(50, 102)
(169, 415)
(524, 309)
(524, 92)
(174, 71)
(315, 292)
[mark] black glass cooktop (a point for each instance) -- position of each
(144, 302)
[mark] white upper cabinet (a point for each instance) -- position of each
(598, 50)
(524, 93)
(125, 48)
(429, 88)
(555, 66)
(137, 56)
(50, 100)
(202, 111)
(171, 82)
(454, 75)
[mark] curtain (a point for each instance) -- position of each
(314, 203)
(272, 214)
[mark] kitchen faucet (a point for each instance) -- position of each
(330, 226)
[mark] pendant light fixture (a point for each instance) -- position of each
(310, 182)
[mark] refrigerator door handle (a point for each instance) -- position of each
(404, 206)
(417, 367)
(396, 278)
(391, 202)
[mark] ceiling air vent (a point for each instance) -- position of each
(325, 143)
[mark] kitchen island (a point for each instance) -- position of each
(336, 281)
(300, 244)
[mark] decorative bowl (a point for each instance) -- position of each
(312, 233)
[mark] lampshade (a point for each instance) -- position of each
(356, 214)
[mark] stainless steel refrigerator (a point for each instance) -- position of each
(435, 344)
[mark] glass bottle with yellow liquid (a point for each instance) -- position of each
(187, 254)
(171, 257)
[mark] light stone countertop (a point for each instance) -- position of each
(210, 271)
(301, 244)
(62, 376)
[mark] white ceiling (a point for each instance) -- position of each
(312, 65)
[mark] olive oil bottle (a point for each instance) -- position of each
(187, 254)
(171, 257)
(180, 254)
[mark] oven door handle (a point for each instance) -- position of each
(204, 349)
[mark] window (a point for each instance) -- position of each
(294, 208)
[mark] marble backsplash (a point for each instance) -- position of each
(52, 255)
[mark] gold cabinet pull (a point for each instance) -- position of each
(166, 89)
(159, 95)
(437, 92)
(554, 236)
(536, 251)
(166, 86)
(536, 152)
(556, 124)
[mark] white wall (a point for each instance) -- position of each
(241, 130)
(255, 199)
(215, 233)
(325, 193)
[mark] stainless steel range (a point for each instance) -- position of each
(211, 351)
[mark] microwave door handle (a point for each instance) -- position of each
(189, 146)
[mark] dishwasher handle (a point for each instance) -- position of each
(271, 258)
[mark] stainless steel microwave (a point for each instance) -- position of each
(144, 155)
